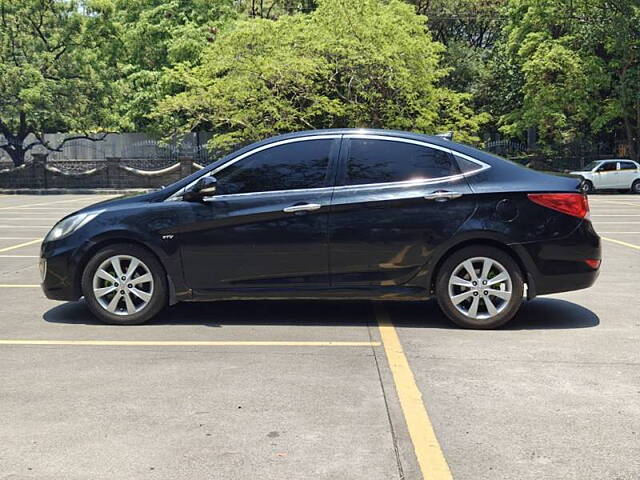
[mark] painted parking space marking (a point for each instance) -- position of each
(431, 460)
(20, 245)
(616, 202)
(19, 286)
(25, 226)
(186, 343)
(5, 218)
(620, 242)
(19, 256)
(19, 207)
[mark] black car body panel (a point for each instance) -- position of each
(381, 240)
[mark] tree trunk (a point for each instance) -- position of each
(15, 150)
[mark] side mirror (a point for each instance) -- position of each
(203, 188)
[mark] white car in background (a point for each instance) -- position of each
(615, 174)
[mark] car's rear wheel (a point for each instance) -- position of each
(635, 187)
(587, 187)
(124, 284)
(480, 287)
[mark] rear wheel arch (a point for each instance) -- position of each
(526, 274)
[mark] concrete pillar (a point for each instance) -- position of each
(113, 172)
(186, 166)
(39, 170)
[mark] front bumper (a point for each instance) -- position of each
(60, 263)
(556, 266)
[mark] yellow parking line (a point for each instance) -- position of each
(20, 245)
(47, 203)
(432, 463)
(620, 242)
(186, 343)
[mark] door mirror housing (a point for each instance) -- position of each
(203, 188)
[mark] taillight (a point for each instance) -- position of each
(593, 263)
(574, 204)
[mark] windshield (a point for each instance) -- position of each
(590, 166)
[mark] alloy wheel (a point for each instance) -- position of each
(480, 288)
(123, 285)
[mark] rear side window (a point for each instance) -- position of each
(385, 161)
(627, 166)
(291, 166)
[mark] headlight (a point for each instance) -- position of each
(70, 225)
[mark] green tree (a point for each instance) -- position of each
(155, 36)
(53, 75)
(350, 63)
(579, 61)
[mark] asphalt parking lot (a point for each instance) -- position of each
(301, 390)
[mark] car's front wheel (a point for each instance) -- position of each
(124, 284)
(587, 187)
(480, 287)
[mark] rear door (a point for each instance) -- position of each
(628, 173)
(395, 200)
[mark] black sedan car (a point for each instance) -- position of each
(333, 214)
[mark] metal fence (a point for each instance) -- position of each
(136, 149)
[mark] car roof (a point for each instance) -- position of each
(364, 131)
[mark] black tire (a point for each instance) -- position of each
(159, 297)
(587, 187)
(511, 306)
(635, 187)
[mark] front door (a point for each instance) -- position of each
(395, 201)
(606, 175)
(267, 226)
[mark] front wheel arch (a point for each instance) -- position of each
(96, 247)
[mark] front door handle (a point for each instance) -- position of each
(305, 207)
(442, 196)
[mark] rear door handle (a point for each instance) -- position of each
(442, 196)
(305, 207)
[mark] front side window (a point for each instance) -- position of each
(590, 166)
(290, 166)
(608, 167)
(385, 161)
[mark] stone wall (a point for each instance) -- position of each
(112, 173)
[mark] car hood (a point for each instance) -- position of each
(122, 201)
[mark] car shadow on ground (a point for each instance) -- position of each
(538, 314)
(541, 313)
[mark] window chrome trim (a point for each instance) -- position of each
(418, 182)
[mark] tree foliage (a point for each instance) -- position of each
(579, 61)
(53, 76)
(321, 70)
(155, 36)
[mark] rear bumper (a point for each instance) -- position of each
(556, 266)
